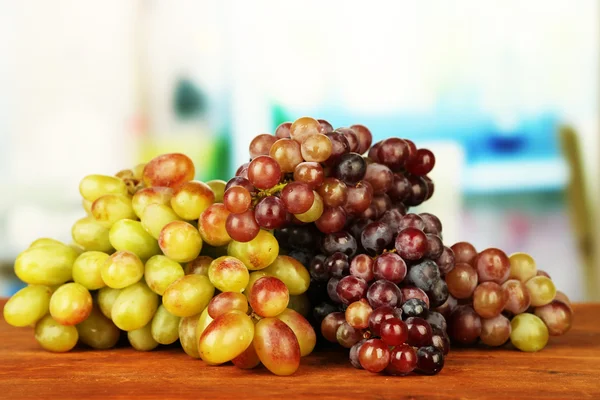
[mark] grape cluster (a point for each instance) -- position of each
(307, 172)
(495, 298)
(153, 258)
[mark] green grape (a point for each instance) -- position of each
(314, 212)
(305, 334)
(91, 235)
(188, 295)
(258, 253)
(97, 331)
(86, 269)
(134, 307)
(187, 335)
(46, 265)
(268, 297)
(122, 269)
(110, 208)
(55, 337)
(44, 242)
(28, 305)
(529, 333)
(522, 267)
(156, 216)
(218, 188)
(291, 272)
(276, 346)
(191, 198)
(160, 272)
(254, 276)
(87, 206)
(150, 195)
(203, 321)
(70, 304)
(165, 326)
(227, 301)
(226, 337)
(228, 274)
(247, 360)
(199, 265)
(106, 299)
(93, 186)
(300, 304)
(129, 235)
(138, 171)
(180, 241)
(541, 290)
(141, 339)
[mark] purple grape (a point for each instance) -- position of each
(437, 322)
(423, 275)
(351, 168)
(354, 354)
(419, 332)
(411, 244)
(356, 226)
(332, 290)
(351, 288)
(430, 360)
(438, 293)
(384, 293)
(318, 270)
(381, 314)
(376, 237)
(337, 265)
(415, 308)
(435, 246)
(433, 224)
(341, 241)
(445, 261)
(411, 221)
(391, 267)
(392, 218)
(441, 341)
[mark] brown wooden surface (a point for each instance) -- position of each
(569, 367)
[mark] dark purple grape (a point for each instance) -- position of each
(356, 226)
(350, 169)
(419, 332)
(415, 308)
(351, 288)
(303, 237)
(337, 265)
(373, 151)
(381, 314)
(384, 293)
(339, 147)
(302, 256)
(403, 360)
(283, 237)
(391, 267)
(376, 237)
(401, 207)
(445, 261)
(422, 164)
(359, 198)
(393, 152)
(438, 293)
(430, 360)
(418, 191)
(464, 325)
(351, 137)
(380, 177)
(339, 241)
(392, 219)
(411, 244)
(423, 275)
(432, 223)
(437, 322)
(435, 246)
(441, 341)
(400, 188)
(332, 290)
(354, 354)
(430, 186)
(412, 221)
(382, 203)
(322, 310)
(318, 270)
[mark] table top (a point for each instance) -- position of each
(569, 367)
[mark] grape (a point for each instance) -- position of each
(380, 177)
(310, 173)
(314, 212)
(164, 326)
(332, 290)
(110, 208)
(153, 195)
(27, 306)
(276, 346)
(129, 235)
(212, 225)
(376, 237)
(462, 281)
(403, 360)
(430, 360)
(412, 150)
(374, 355)
(318, 270)
(187, 335)
(191, 198)
(529, 333)
(242, 227)
(393, 332)
(337, 265)
(419, 191)
(330, 325)
(92, 236)
(228, 274)
(422, 164)
(522, 267)
(188, 295)
(359, 198)
(264, 172)
(304, 332)
(203, 322)
(441, 341)
(464, 252)
(134, 307)
(446, 261)
(350, 169)
(339, 241)
(226, 337)
(334, 192)
(495, 331)
(542, 273)
(361, 266)
(304, 127)
(390, 266)
(541, 290)
(492, 265)
(415, 308)
(517, 296)
(268, 296)
(339, 147)
(400, 189)
(438, 293)
(70, 304)
(347, 336)
(94, 186)
(382, 203)
(365, 138)
(357, 225)
(53, 336)
(332, 220)
(464, 325)
(384, 293)
(393, 152)
(412, 292)
(419, 332)
(170, 170)
(227, 301)
(157, 216)
(298, 197)
(160, 272)
(354, 354)
(218, 188)
(247, 360)
(293, 274)
(97, 331)
(429, 185)
(379, 315)
(423, 275)
(316, 148)
(437, 322)
(287, 153)
(325, 126)
(86, 269)
(350, 289)
(256, 254)
(563, 298)
(261, 144)
(141, 339)
(557, 316)
(241, 182)
(412, 221)
(122, 269)
(242, 171)
(435, 247)
(432, 223)
(411, 244)
(283, 130)
(106, 299)
(448, 307)
(351, 137)
(300, 237)
(180, 241)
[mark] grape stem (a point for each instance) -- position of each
(269, 192)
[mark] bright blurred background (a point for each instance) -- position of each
(491, 87)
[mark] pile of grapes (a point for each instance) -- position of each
(313, 231)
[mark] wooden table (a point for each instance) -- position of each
(569, 367)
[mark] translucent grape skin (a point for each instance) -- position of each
(261, 144)
(228, 274)
(264, 172)
(391, 267)
(380, 177)
(339, 147)
(430, 360)
(351, 288)
(522, 267)
(141, 339)
(293, 274)
(199, 266)
(353, 356)
(541, 290)
(316, 148)
(237, 199)
(226, 337)
(70, 304)
(304, 127)
(129, 235)
(332, 220)
(393, 152)
(403, 360)
(462, 281)
(422, 164)
(191, 199)
(492, 265)
(87, 269)
(164, 326)
(257, 253)
(393, 332)
(310, 173)
(276, 346)
(517, 296)
(358, 313)
(270, 213)
(180, 241)
(528, 333)
(218, 188)
(106, 298)
(169, 170)
(156, 216)
(268, 297)
(122, 269)
(212, 225)
(365, 138)
(330, 325)
(351, 168)
(150, 195)
(248, 359)
(110, 208)
(297, 197)
(242, 227)
(287, 153)
(333, 191)
(557, 316)
(225, 302)
(90, 235)
(495, 331)
(97, 331)
(160, 272)
(53, 336)
(187, 335)
(27, 306)
(303, 330)
(283, 130)
(359, 198)
(464, 325)
(464, 252)
(374, 355)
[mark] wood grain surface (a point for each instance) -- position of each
(568, 368)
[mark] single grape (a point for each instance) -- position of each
(429, 185)
(156, 216)
(330, 325)
(441, 341)
(464, 252)
(212, 225)
(97, 331)
(304, 127)
(557, 316)
(283, 130)
(422, 164)
(351, 137)
(357, 225)
(517, 296)
(55, 337)
(256, 254)
(134, 307)
(164, 326)
(419, 332)
(92, 236)
(448, 307)
(435, 248)
(365, 138)
(218, 188)
(438, 293)
(106, 298)
(423, 275)
(400, 189)
(316, 148)
(92, 187)
(310, 173)
(87, 269)
(268, 297)
(430, 360)
(333, 191)
(141, 339)
(347, 336)
(492, 265)
(412, 150)
(541, 290)
(351, 168)
(303, 330)
(376, 237)
(110, 208)
(437, 321)
(411, 221)
(228, 274)
(464, 325)
(412, 292)
(261, 144)
(339, 147)
(122, 269)
(446, 261)
(191, 198)
(337, 265)
(382, 203)
(393, 152)
(332, 290)
(433, 224)
(170, 170)
(226, 337)
(339, 241)
(287, 153)
(70, 304)
(391, 267)
(411, 244)
(522, 267)
(160, 272)
(353, 356)
(293, 274)
(180, 241)
(529, 333)
(27, 306)
(393, 332)
(415, 308)
(462, 281)
(325, 126)
(264, 172)
(380, 177)
(242, 182)
(297, 197)
(188, 295)
(358, 313)
(350, 289)
(419, 191)
(248, 359)
(384, 293)
(495, 331)
(277, 346)
(187, 335)
(242, 227)
(242, 171)
(403, 360)
(374, 355)
(237, 199)
(332, 220)
(361, 266)
(318, 271)
(129, 235)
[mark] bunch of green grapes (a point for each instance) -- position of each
(148, 259)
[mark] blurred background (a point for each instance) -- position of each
(505, 94)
